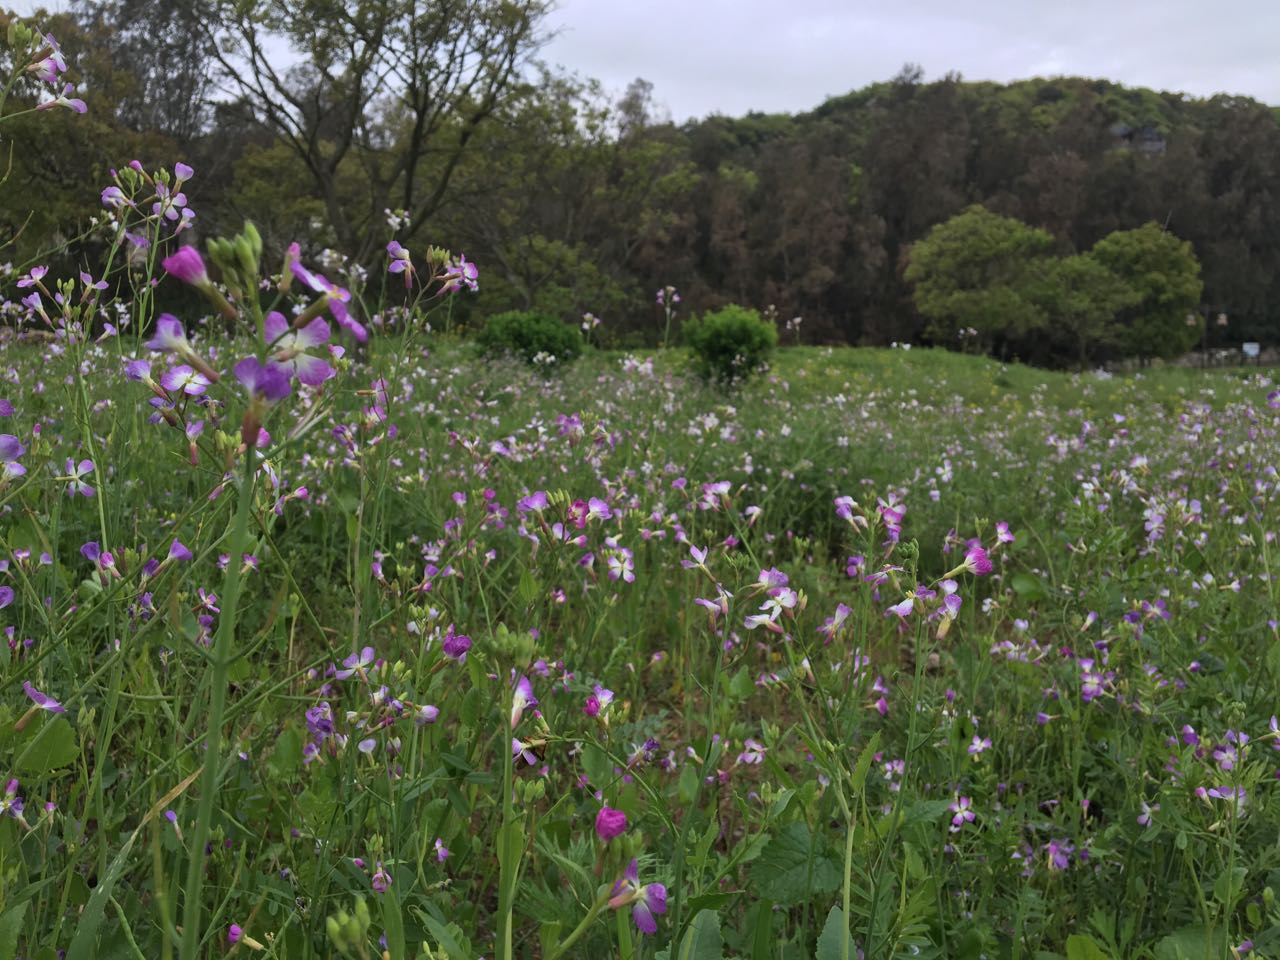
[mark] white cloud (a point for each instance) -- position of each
(731, 56)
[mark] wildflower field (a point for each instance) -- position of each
(327, 634)
(887, 653)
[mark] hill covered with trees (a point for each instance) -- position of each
(573, 201)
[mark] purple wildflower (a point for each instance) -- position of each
(962, 810)
(269, 381)
(289, 348)
(10, 451)
(645, 900)
(76, 472)
(184, 379)
(42, 700)
(610, 823)
(522, 698)
(187, 265)
(461, 273)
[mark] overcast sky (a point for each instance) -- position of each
(732, 56)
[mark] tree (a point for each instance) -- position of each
(390, 91)
(1081, 299)
(975, 273)
(167, 50)
(1163, 321)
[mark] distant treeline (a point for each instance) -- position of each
(571, 201)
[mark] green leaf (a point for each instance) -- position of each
(698, 857)
(1192, 943)
(687, 785)
(317, 806)
(472, 709)
(780, 803)
(1273, 659)
(762, 941)
(10, 927)
(529, 589)
(865, 758)
(1229, 885)
(549, 936)
(286, 757)
(712, 901)
(84, 944)
(703, 941)
(833, 937)
(445, 936)
(1083, 947)
(743, 685)
(393, 925)
(510, 850)
(791, 870)
(48, 747)
(596, 764)
(924, 811)
(1028, 586)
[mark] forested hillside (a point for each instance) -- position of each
(577, 201)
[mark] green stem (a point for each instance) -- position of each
(845, 896)
(222, 656)
(626, 947)
(581, 928)
(503, 948)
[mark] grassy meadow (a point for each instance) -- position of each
(888, 653)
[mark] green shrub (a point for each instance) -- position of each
(534, 337)
(730, 344)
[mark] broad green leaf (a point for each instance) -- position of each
(833, 937)
(791, 869)
(1229, 885)
(1192, 943)
(596, 764)
(1083, 947)
(529, 589)
(1028, 586)
(699, 856)
(51, 745)
(10, 927)
(743, 685)
(702, 941)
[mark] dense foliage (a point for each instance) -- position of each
(730, 344)
(989, 281)
(533, 337)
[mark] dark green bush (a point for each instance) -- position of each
(530, 336)
(730, 344)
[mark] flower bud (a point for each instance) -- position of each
(610, 823)
(255, 240)
(337, 935)
(246, 262)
